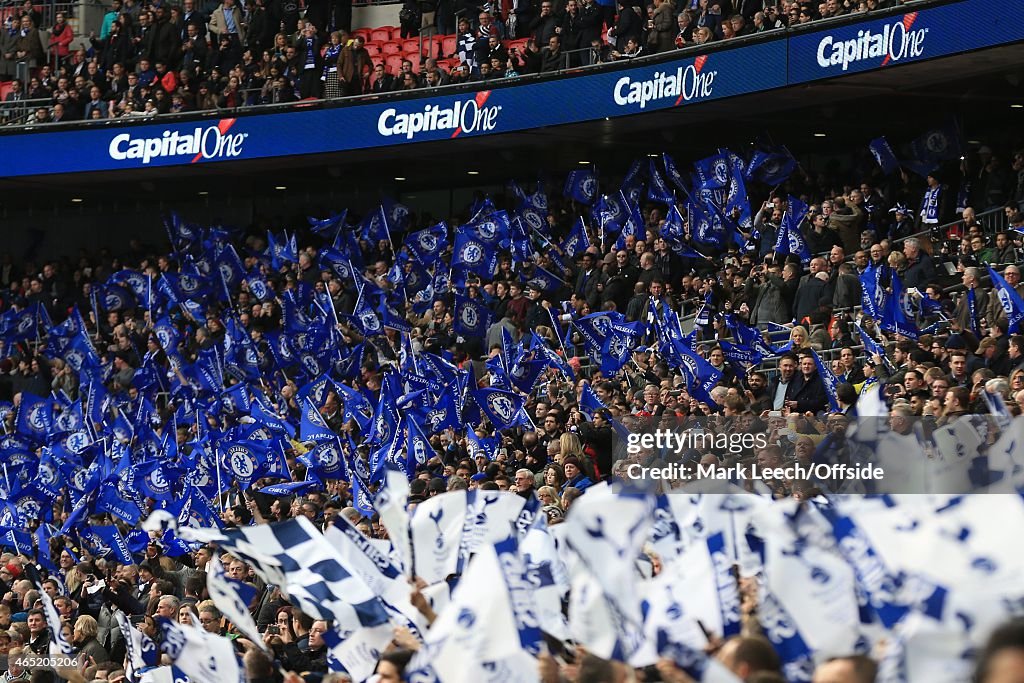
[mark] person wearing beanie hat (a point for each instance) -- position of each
(574, 475)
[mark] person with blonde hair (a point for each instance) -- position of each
(569, 444)
(85, 641)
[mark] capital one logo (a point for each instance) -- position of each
(202, 144)
(894, 42)
(687, 83)
(468, 116)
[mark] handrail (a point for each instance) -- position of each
(671, 55)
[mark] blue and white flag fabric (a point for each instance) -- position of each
(474, 254)
(327, 227)
(467, 643)
(296, 557)
(657, 190)
(472, 317)
(201, 655)
(607, 533)
(713, 173)
(35, 416)
(938, 144)
(893, 316)
(884, 156)
(104, 541)
(59, 645)
(672, 172)
(503, 409)
(790, 240)
(577, 241)
(581, 186)
(830, 381)
(873, 295)
(436, 532)
(771, 167)
(312, 426)
(1008, 298)
(374, 227)
(428, 244)
(142, 652)
(233, 598)
(872, 347)
(589, 402)
(737, 202)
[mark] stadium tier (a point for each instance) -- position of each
(704, 365)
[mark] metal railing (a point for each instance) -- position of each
(21, 112)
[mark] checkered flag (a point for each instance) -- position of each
(296, 557)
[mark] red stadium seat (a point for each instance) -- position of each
(415, 58)
(448, 45)
(394, 63)
(519, 44)
(380, 35)
(363, 33)
(411, 45)
(377, 59)
(391, 48)
(373, 48)
(396, 32)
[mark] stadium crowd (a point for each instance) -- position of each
(224, 338)
(156, 58)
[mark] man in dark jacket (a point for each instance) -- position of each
(544, 24)
(775, 300)
(627, 25)
(806, 394)
(166, 44)
(920, 269)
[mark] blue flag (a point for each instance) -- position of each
(428, 244)
(312, 426)
(35, 416)
(937, 144)
(589, 402)
(327, 226)
(884, 155)
(106, 540)
(657, 190)
(872, 347)
(472, 317)
(504, 409)
(577, 241)
(771, 167)
(473, 254)
(1011, 302)
(581, 186)
(713, 172)
(830, 381)
(894, 318)
(790, 240)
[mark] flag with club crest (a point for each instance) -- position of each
(577, 241)
(581, 186)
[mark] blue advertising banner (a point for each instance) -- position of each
(547, 103)
(914, 36)
(794, 57)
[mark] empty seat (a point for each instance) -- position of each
(380, 35)
(394, 63)
(411, 45)
(391, 48)
(448, 45)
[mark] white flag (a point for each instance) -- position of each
(436, 533)
(230, 598)
(201, 655)
(392, 503)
